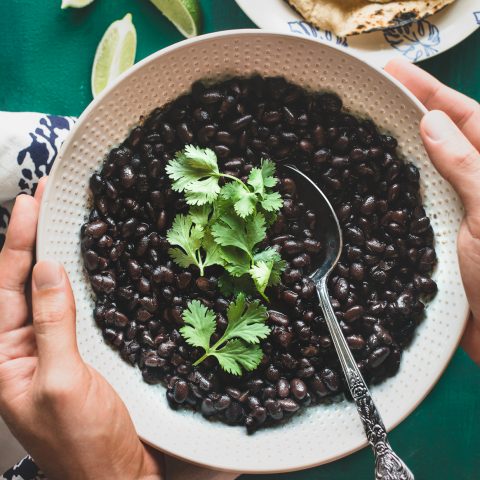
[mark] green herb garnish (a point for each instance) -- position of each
(238, 348)
(225, 224)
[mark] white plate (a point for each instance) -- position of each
(320, 434)
(415, 42)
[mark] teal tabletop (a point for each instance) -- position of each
(45, 61)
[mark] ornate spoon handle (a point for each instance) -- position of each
(388, 466)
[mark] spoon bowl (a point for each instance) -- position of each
(330, 232)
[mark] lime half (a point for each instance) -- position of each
(75, 3)
(184, 14)
(115, 53)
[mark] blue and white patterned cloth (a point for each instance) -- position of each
(29, 144)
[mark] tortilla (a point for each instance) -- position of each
(350, 17)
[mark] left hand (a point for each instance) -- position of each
(62, 411)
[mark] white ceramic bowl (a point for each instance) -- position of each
(319, 434)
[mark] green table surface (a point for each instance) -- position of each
(45, 61)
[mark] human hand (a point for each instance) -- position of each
(451, 134)
(61, 410)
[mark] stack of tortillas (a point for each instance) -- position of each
(348, 17)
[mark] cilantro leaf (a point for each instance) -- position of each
(230, 285)
(268, 173)
(272, 202)
(238, 347)
(236, 355)
(188, 237)
(200, 325)
(262, 178)
(267, 269)
(200, 214)
(246, 321)
(260, 273)
(243, 200)
(236, 261)
(194, 171)
(202, 192)
(278, 264)
(232, 231)
(213, 251)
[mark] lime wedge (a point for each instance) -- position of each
(184, 14)
(75, 3)
(115, 53)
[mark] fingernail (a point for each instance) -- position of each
(47, 274)
(438, 125)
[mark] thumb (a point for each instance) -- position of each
(455, 158)
(54, 317)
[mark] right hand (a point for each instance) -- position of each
(451, 135)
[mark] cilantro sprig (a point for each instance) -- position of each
(225, 224)
(238, 348)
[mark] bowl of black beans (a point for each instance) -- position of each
(190, 248)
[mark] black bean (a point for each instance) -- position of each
(207, 407)
(234, 413)
(331, 380)
(163, 275)
(180, 391)
(96, 229)
(312, 246)
(353, 313)
(301, 261)
(318, 386)
(341, 289)
(356, 342)
(166, 349)
(210, 97)
(298, 388)
(289, 297)
(278, 318)
(378, 356)
(292, 247)
(283, 388)
(134, 269)
(240, 123)
(288, 405)
(355, 236)
(103, 282)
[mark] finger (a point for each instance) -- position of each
(54, 318)
(40, 189)
(455, 158)
(17, 343)
(464, 111)
(16, 260)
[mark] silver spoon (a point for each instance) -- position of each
(388, 465)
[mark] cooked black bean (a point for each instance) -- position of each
(96, 229)
(353, 313)
(278, 318)
(376, 288)
(298, 388)
(378, 356)
(288, 405)
(283, 388)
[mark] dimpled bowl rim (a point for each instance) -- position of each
(319, 434)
